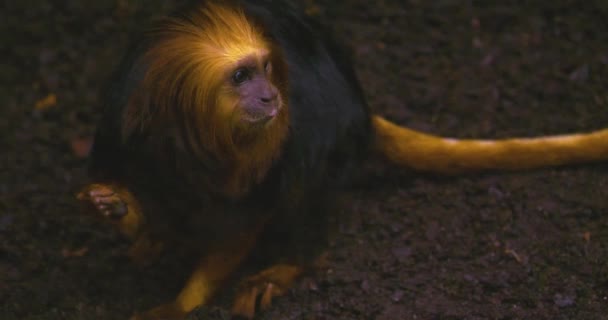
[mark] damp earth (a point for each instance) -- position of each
(527, 245)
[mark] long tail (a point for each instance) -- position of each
(425, 152)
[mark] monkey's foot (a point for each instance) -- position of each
(168, 311)
(267, 284)
(116, 205)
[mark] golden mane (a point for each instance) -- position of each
(186, 70)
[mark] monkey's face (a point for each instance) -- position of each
(218, 80)
(256, 100)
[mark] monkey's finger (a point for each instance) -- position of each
(113, 211)
(94, 190)
(244, 306)
(267, 296)
(101, 191)
(106, 200)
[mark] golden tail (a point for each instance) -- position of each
(430, 153)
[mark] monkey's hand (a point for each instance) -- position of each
(105, 199)
(267, 284)
(115, 205)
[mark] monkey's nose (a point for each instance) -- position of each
(269, 95)
(268, 98)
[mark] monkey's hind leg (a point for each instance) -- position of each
(208, 276)
(117, 206)
(265, 285)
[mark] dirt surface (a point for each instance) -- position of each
(530, 245)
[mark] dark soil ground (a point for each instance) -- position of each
(530, 245)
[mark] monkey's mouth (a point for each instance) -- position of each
(261, 118)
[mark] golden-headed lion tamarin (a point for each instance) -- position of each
(232, 124)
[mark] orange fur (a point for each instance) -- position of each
(426, 152)
(186, 83)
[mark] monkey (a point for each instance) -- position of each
(230, 127)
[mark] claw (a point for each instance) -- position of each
(267, 296)
(266, 285)
(245, 304)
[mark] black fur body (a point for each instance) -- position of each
(329, 136)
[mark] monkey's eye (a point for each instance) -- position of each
(240, 76)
